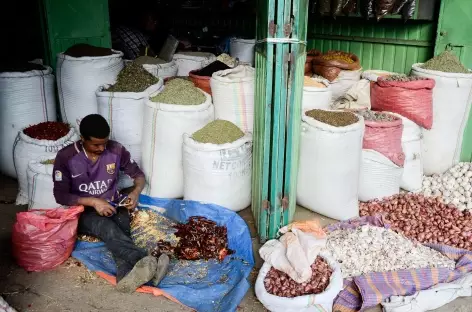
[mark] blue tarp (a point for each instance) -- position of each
(202, 285)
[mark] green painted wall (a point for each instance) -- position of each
(389, 45)
(69, 22)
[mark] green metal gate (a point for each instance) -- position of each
(280, 61)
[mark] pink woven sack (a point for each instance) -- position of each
(412, 99)
(385, 138)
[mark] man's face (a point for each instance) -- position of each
(94, 146)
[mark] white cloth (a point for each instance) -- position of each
(293, 254)
(430, 299)
(357, 97)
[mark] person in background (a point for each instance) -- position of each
(86, 173)
(133, 41)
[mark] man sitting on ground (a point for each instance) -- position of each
(86, 173)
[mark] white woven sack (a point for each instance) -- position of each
(77, 80)
(26, 149)
(328, 174)
(308, 303)
(41, 185)
(242, 49)
(215, 173)
(345, 80)
(233, 96)
(163, 71)
(124, 113)
(188, 61)
(316, 98)
(163, 128)
(452, 98)
(379, 177)
(412, 135)
(25, 99)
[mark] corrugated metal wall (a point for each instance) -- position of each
(389, 45)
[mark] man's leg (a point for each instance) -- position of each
(122, 219)
(132, 262)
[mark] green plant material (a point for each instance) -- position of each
(218, 132)
(48, 162)
(336, 119)
(377, 116)
(446, 62)
(149, 60)
(180, 92)
(403, 78)
(133, 78)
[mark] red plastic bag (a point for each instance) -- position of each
(385, 137)
(413, 99)
(43, 239)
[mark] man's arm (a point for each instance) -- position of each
(62, 183)
(132, 169)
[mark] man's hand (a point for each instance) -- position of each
(132, 201)
(103, 208)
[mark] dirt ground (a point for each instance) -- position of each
(71, 287)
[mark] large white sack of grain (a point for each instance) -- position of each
(233, 96)
(379, 177)
(243, 49)
(412, 140)
(165, 70)
(163, 128)
(218, 174)
(308, 303)
(124, 113)
(188, 61)
(328, 174)
(78, 78)
(26, 98)
(41, 185)
(452, 98)
(26, 149)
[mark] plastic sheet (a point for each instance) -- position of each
(43, 239)
(367, 8)
(409, 10)
(202, 285)
(398, 6)
(383, 7)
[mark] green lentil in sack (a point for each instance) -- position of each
(180, 92)
(133, 78)
(218, 132)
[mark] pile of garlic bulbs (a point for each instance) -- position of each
(454, 186)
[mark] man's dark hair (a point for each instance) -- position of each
(94, 126)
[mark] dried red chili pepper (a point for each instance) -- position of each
(48, 130)
(199, 238)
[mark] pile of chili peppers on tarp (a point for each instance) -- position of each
(203, 285)
(199, 238)
(48, 130)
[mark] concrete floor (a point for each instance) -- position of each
(71, 287)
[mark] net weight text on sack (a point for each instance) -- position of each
(56, 148)
(222, 165)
